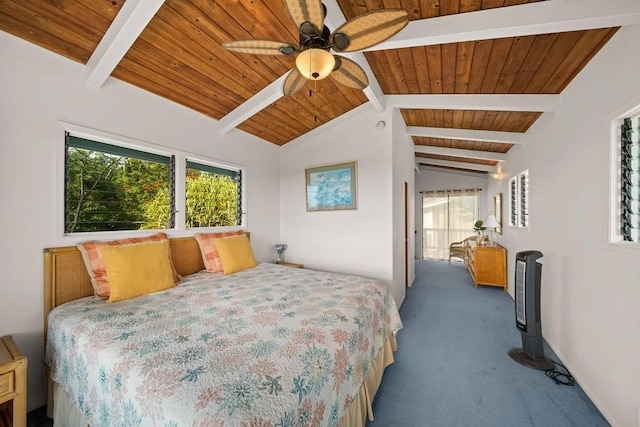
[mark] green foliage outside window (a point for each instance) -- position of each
(212, 200)
(110, 193)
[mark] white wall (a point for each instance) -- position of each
(430, 179)
(590, 289)
(403, 172)
(356, 241)
(39, 88)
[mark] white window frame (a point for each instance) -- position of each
(180, 184)
(616, 240)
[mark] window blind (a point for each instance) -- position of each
(213, 169)
(524, 199)
(513, 202)
(630, 179)
(87, 144)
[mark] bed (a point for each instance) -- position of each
(267, 346)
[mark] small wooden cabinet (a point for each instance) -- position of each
(13, 385)
(487, 264)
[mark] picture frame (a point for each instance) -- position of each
(497, 211)
(331, 187)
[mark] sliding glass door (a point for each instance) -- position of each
(447, 216)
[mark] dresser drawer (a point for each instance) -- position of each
(6, 384)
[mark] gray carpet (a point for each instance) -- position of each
(452, 366)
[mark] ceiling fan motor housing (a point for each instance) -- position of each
(320, 41)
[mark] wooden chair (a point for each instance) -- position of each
(458, 249)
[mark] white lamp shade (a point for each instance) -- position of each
(491, 222)
(315, 64)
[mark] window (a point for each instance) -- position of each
(628, 178)
(513, 202)
(523, 192)
(213, 196)
(113, 187)
(519, 200)
(447, 217)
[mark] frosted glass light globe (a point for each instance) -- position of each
(315, 64)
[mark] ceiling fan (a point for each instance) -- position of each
(315, 61)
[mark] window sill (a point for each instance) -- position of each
(629, 248)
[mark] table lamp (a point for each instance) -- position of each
(491, 224)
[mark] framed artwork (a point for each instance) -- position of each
(497, 211)
(331, 187)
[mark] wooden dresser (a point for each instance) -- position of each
(13, 385)
(487, 264)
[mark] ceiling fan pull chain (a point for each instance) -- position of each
(315, 103)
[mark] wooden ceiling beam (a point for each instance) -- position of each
(529, 103)
(273, 92)
(125, 29)
(455, 152)
(458, 165)
(468, 134)
(253, 105)
(373, 92)
(545, 17)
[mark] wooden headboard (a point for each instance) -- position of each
(66, 278)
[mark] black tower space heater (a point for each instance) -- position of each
(527, 303)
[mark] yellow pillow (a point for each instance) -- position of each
(138, 269)
(235, 253)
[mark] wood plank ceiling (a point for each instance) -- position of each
(179, 56)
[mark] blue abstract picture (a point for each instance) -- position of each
(331, 187)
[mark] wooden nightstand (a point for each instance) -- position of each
(13, 384)
(292, 264)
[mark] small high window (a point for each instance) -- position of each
(523, 192)
(513, 202)
(630, 178)
(519, 200)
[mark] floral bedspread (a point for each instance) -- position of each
(268, 346)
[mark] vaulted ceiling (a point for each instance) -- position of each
(469, 76)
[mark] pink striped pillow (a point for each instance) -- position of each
(210, 255)
(95, 263)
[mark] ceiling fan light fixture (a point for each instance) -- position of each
(315, 64)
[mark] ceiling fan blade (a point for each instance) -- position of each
(348, 73)
(261, 47)
(294, 82)
(304, 12)
(368, 29)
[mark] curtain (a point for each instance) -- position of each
(447, 217)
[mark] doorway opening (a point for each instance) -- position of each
(447, 217)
